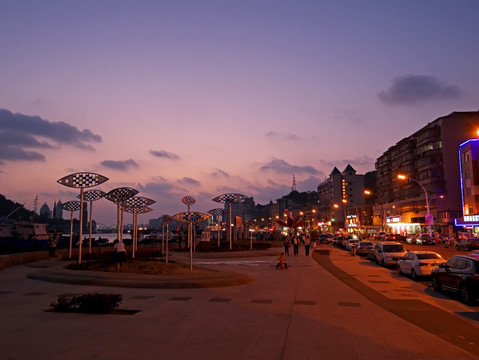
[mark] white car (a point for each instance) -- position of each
(419, 263)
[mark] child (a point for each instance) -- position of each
(282, 262)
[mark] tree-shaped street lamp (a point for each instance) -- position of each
(71, 206)
(118, 196)
(189, 200)
(135, 210)
(136, 204)
(229, 198)
(92, 195)
(191, 218)
(82, 180)
(217, 212)
(165, 221)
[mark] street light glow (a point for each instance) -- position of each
(402, 177)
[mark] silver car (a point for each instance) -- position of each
(389, 252)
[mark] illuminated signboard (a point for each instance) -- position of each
(393, 219)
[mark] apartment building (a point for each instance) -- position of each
(430, 163)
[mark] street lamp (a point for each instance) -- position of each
(344, 201)
(230, 198)
(367, 192)
(428, 214)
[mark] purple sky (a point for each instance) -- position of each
(200, 98)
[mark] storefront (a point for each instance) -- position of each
(396, 226)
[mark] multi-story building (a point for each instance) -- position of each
(429, 158)
(340, 199)
(469, 162)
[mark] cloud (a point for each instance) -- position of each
(119, 165)
(19, 133)
(282, 136)
(281, 166)
(411, 89)
(350, 116)
(164, 154)
(219, 173)
(189, 181)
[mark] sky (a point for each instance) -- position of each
(199, 98)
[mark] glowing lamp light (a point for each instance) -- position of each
(402, 177)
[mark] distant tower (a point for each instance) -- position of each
(293, 188)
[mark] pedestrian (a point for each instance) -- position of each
(282, 262)
(287, 244)
(295, 245)
(307, 243)
(120, 254)
(178, 239)
(53, 243)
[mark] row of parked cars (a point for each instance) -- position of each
(459, 274)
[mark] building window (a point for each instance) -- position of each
(468, 191)
(468, 174)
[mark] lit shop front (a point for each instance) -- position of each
(468, 222)
(396, 226)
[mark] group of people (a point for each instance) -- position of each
(294, 240)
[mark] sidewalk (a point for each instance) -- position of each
(303, 312)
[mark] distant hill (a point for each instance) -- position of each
(7, 206)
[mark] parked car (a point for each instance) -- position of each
(344, 240)
(460, 275)
(389, 252)
(325, 238)
(419, 263)
(394, 237)
(425, 239)
(363, 247)
(380, 236)
(468, 244)
(411, 239)
(351, 242)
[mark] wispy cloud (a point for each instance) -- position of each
(282, 136)
(164, 154)
(119, 165)
(411, 89)
(20, 133)
(219, 173)
(281, 166)
(189, 181)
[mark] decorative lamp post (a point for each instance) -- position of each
(165, 221)
(92, 195)
(217, 212)
(137, 203)
(189, 200)
(135, 210)
(230, 198)
(118, 196)
(367, 192)
(71, 206)
(191, 217)
(82, 180)
(428, 218)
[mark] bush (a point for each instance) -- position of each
(94, 303)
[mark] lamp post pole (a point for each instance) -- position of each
(383, 227)
(403, 177)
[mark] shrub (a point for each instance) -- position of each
(87, 303)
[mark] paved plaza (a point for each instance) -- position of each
(331, 307)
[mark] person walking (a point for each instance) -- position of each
(295, 245)
(307, 243)
(287, 244)
(120, 254)
(53, 243)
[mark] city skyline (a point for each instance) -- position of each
(204, 98)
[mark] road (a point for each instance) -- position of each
(326, 306)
